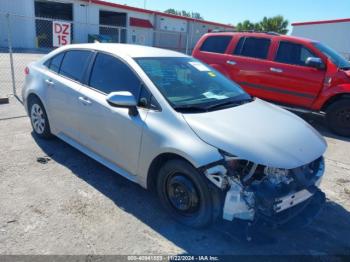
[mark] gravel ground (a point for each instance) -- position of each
(73, 205)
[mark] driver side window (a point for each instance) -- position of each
(110, 75)
(293, 54)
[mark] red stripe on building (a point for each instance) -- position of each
(323, 22)
(146, 11)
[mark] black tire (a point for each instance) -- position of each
(200, 209)
(34, 104)
(338, 117)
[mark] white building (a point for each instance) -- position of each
(31, 24)
(335, 33)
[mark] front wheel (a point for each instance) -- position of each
(185, 194)
(338, 117)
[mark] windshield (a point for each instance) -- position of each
(189, 84)
(333, 55)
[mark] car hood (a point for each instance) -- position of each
(260, 132)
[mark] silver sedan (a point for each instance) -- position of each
(177, 127)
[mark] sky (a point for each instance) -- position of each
(234, 11)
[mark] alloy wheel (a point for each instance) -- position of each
(38, 118)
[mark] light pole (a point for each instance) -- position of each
(144, 4)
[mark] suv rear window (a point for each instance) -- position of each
(216, 44)
(74, 64)
(253, 47)
(293, 54)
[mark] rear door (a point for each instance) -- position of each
(63, 80)
(249, 63)
(212, 52)
(290, 81)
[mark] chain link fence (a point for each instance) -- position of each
(26, 39)
(6, 83)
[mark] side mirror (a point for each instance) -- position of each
(123, 99)
(315, 62)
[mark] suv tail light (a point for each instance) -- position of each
(26, 71)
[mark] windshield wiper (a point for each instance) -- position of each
(190, 109)
(230, 103)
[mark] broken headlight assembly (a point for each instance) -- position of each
(253, 189)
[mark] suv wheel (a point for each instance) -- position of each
(38, 118)
(338, 117)
(185, 194)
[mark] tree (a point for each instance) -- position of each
(184, 13)
(248, 26)
(272, 24)
(275, 24)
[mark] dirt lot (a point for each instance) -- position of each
(73, 205)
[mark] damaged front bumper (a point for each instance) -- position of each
(267, 200)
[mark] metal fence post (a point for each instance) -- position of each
(9, 41)
(187, 37)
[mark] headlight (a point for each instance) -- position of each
(249, 171)
(271, 171)
(277, 175)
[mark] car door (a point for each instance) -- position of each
(212, 52)
(63, 80)
(248, 64)
(108, 131)
(290, 81)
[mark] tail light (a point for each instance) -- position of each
(26, 71)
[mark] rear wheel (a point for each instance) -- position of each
(38, 118)
(338, 117)
(185, 194)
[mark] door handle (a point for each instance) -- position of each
(276, 70)
(84, 101)
(49, 82)
(230, 62)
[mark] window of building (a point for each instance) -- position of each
(108, 23)
(54, 10)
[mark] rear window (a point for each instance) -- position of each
(253, 47)
(216, 44)
(74, 64)
(55, 62)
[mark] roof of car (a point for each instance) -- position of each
(133, 51)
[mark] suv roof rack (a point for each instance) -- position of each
(221, 31)
(246, 31)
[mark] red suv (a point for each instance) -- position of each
(297, 73)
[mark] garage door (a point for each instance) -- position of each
(45, 12)
(109, 21)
